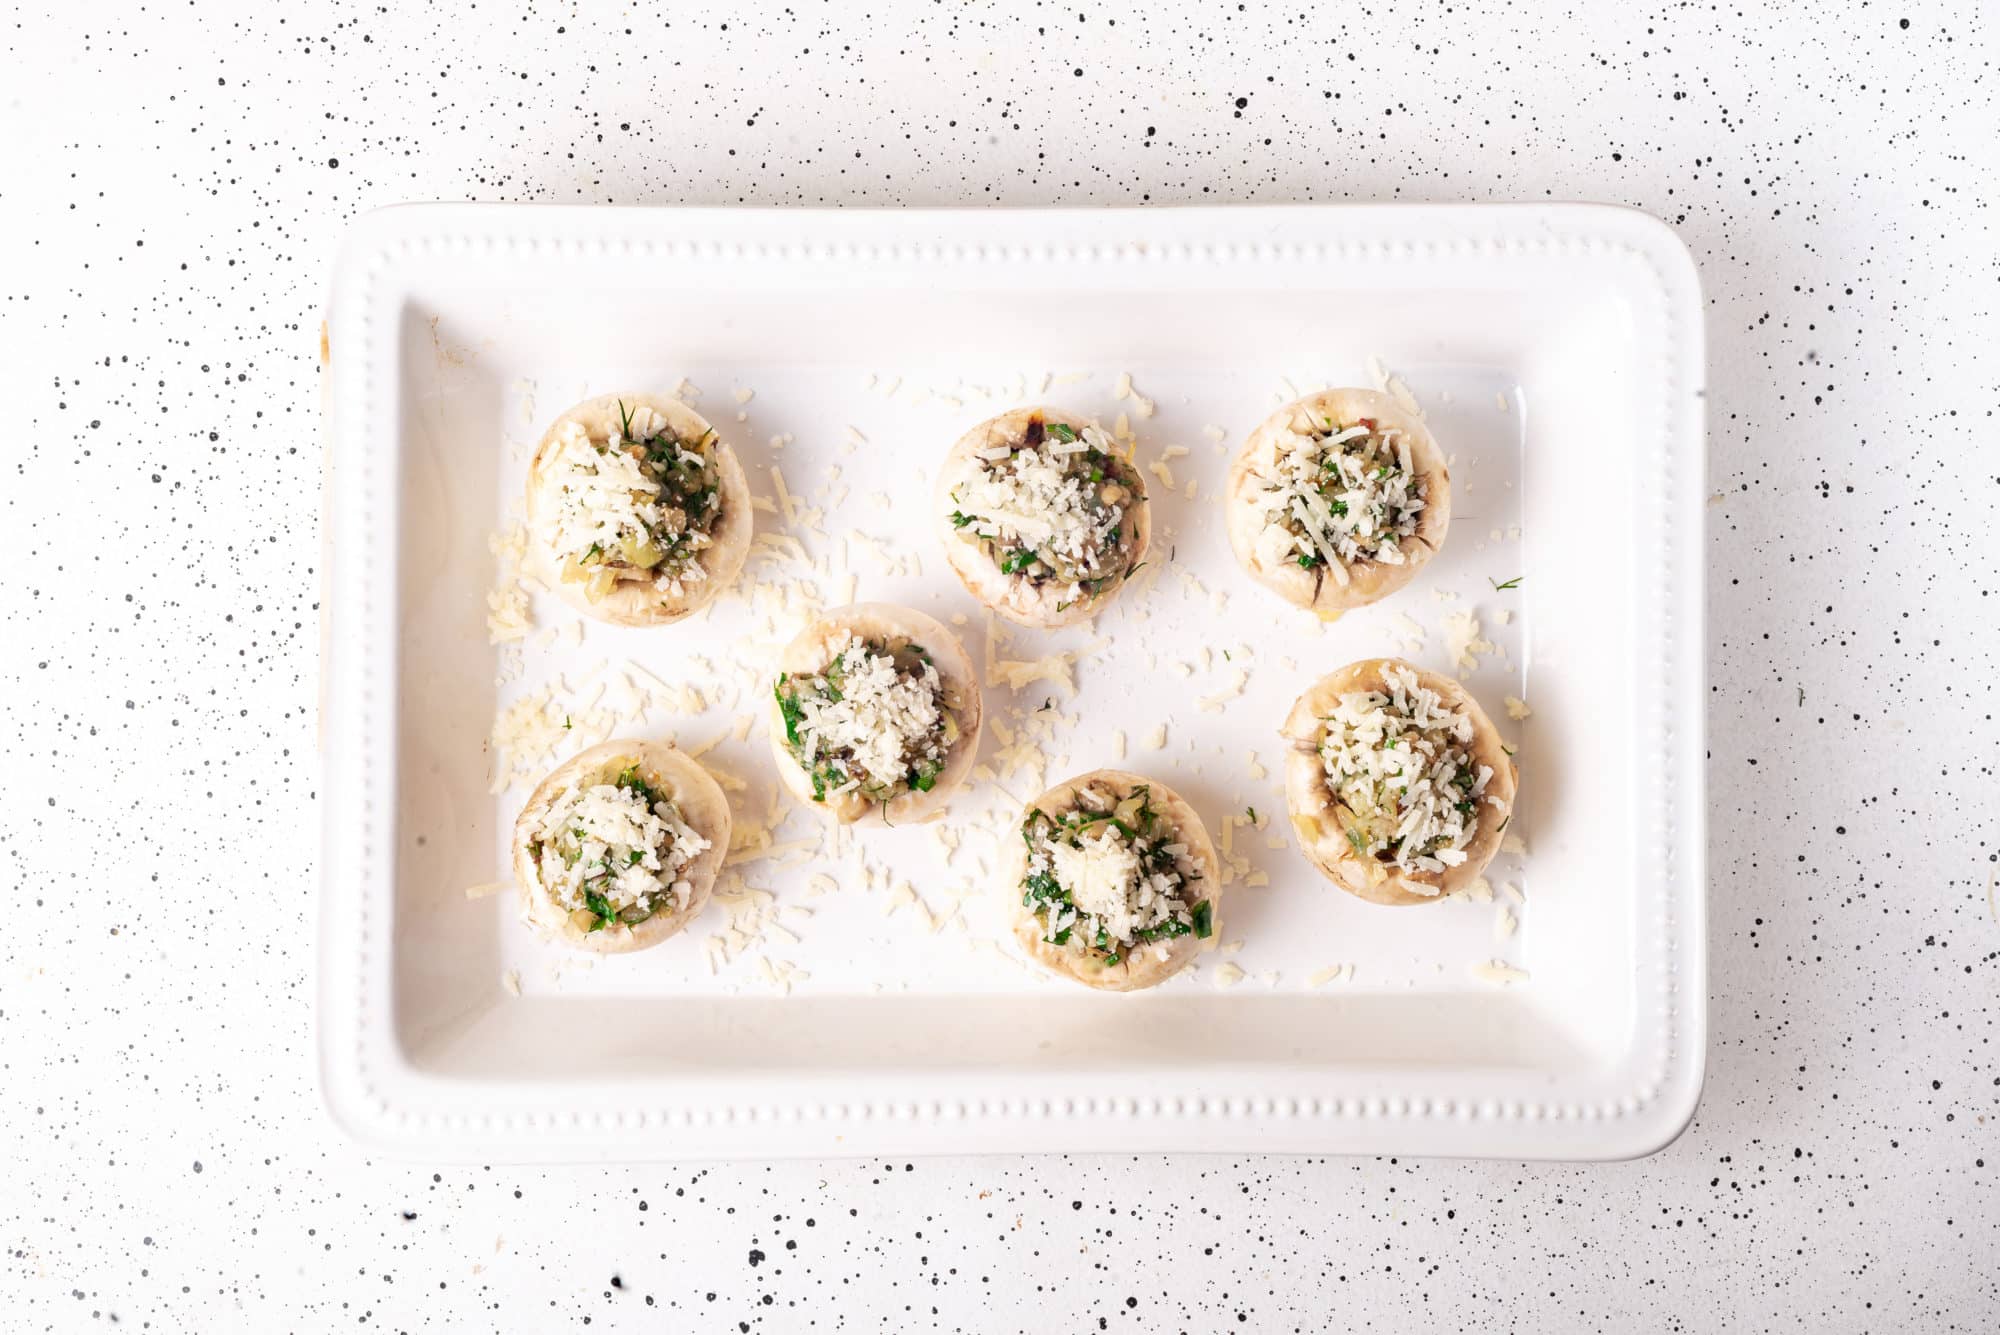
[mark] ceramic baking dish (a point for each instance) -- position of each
(860, 997)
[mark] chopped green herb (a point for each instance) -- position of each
(959, 519)
(1513, 583)
(1063, 432)
(601, 906)
(1204, 919)
(1016, 561)
(788, 706)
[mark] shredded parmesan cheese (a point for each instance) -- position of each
(614, 850)
(1336, 494)
(1463, 642)
(1498, 973)
(1398, 762)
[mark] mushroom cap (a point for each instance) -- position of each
(1318, 589)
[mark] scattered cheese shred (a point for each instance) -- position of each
(1017, 673)
(1501, 974)
(787, 508)
(1232, 688)
(1462, 640)
(508, 615)
(1516, 709)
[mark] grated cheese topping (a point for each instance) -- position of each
(1337, 494)
(640, 505)
(614, 852)
(1401, 772)
(1050, 508)
(1110, 876)
(875, 720)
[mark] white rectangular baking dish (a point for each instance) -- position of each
(1558, 353)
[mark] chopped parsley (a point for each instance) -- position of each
(664, 486)
(1081, 494)
(876, 721)
(1131, 835)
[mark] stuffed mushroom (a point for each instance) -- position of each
(1114, 881)
(1397, 784)
(1338, 500)
(619, 847)
(1042, 518)
(639, 509)
(875, 714)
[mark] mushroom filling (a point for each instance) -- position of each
(874, 721)
(639, 508)
(1340, 494)
(1110, 876)
(615, 852)
(1399, 766)
(1050, 507)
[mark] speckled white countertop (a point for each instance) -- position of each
(177, 178)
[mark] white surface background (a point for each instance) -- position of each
(175, 178)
